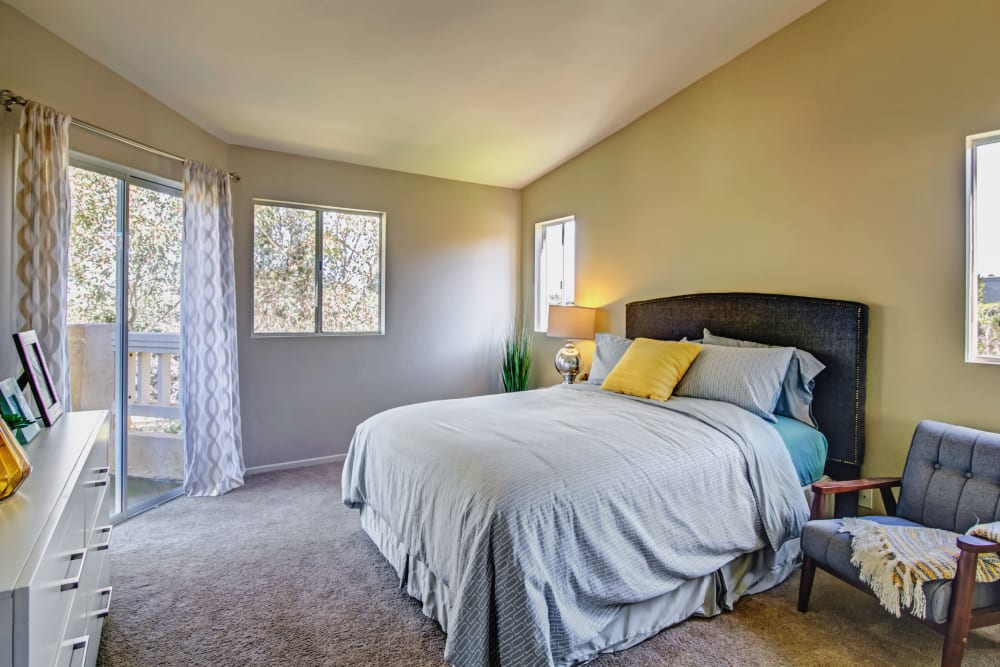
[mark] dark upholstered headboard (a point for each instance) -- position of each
(835, 331)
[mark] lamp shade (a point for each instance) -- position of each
(571, 322)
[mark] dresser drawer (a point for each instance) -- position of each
(95, 480)
(97, 574)
(100, 608)
(76, 624)
(76, 652)
(95, 570)
(57, 584)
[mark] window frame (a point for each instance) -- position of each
(569, 287)
(972, 142)
(137, 176)
(318, 259)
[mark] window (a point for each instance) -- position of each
(154, 215)
(983, 240)
(317, 270)
(123, 317)
(555, 267)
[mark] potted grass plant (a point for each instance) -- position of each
(515, 359)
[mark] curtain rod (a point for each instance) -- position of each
(8, 99)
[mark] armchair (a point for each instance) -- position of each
(951, 481)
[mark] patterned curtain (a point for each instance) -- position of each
(42, 235)
(9, 124)
(210, 399)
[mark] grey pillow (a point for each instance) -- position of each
(749, 378)
(797, 389)
(608, 351)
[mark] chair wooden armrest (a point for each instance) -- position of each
(883, 484)
(963, 587)
(977, 545)
(856, 485)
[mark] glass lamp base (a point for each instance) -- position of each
(568, 362)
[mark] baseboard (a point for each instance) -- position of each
(301, 463)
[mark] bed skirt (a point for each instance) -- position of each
(705, 596)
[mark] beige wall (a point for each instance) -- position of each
(826, 161)
(452, 275)
(452, 259)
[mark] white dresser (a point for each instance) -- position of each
(54, 534)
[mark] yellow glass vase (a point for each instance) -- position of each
(14, 466)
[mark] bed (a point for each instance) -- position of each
(550, 526)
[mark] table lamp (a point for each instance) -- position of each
(571, 323)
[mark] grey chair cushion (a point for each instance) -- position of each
(952, 477)
(832, 550)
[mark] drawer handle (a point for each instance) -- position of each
(77, 644)
(103, 613)
(97, 482)
(102, 470)
(74, 581)
(101, 546)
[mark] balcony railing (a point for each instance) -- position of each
(153, 366)
(155, 446)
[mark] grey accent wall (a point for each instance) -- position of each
(451, 287)
(452, 262)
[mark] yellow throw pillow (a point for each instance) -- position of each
(651, 368)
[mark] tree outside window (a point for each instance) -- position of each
(317, 270)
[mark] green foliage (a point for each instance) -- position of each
(92, 248)
(285, 270)
(352, 287)
(155, 227)
(154, 425)
(154, 272)
(17, 421)
(988, 319)
(284, 260)
(515, 359)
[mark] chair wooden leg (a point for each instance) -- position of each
(960, 613)
(806, 583)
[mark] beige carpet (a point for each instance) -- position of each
(279, 573)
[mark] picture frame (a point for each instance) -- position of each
(14, 404)
(36, 372)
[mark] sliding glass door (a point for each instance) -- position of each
(124, 324)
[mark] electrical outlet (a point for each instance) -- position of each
(866, 499)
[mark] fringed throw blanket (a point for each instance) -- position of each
(896, 560)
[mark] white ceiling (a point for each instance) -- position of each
(497, 92)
